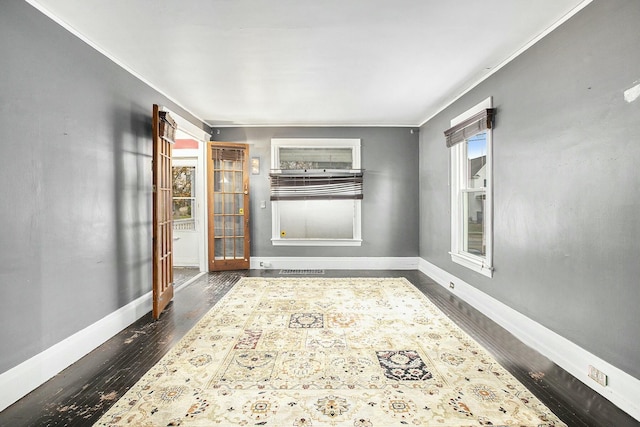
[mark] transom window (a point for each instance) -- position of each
(315, 158)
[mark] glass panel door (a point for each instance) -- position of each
(163, 128)
(228, 206)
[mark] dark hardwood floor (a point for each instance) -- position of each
(80, 394)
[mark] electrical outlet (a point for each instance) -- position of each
(451, 285)
(598, 376)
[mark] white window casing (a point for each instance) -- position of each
(332, 222)
(460, 194)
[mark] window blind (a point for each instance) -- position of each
(469, 127)
(307, 185)
(168, 127)
(228, 154)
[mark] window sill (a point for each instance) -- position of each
(475, 264)
(316, 242)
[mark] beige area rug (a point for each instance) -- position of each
(327, 352)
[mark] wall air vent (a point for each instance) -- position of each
(301, 272)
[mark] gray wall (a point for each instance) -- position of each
(390, 204)
(566, 156)
(75, 168)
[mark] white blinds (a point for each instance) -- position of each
(305, 185)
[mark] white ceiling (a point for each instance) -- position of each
(302, 62)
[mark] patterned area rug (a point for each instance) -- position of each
(327, 352)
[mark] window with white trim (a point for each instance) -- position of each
(470, 142)
(316, 192)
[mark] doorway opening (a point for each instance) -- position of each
(188, 203)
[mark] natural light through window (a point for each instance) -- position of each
(470, 140)
(316, 192)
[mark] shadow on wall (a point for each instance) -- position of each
(132, 157)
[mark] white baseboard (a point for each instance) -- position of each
(622, 389)
(180, 264)
(336, 263)
(20, 380)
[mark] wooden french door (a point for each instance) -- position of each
(163, 129)
(228, 206)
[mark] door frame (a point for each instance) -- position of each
(195, 132)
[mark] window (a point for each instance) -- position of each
(316, 192)
(184, 200)
(470, 140)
